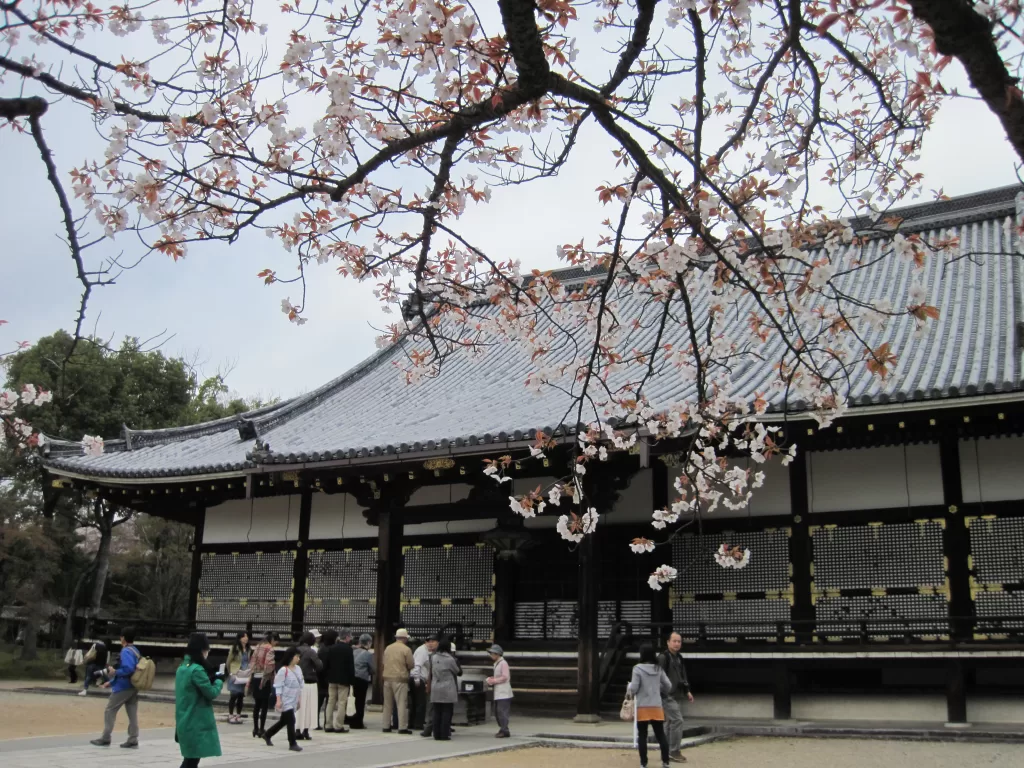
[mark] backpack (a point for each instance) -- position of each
(145, 671)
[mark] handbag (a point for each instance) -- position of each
(627, 711)
(350, 706)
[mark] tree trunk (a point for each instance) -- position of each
(69, 625)
(101, 566)
(30, 644)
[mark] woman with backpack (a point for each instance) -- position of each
(238, 670)
(261, 682)
(647, 687)
(289, 686)
(444, 689)
(195, 688)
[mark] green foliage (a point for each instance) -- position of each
(49, 666)
(150, 570)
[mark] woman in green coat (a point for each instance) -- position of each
(195, 689)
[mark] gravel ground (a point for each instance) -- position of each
(771, 753)
(39, 715)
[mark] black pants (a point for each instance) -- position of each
(261, 695)
(359, 689)
(235, 703)
(659, 734)
(190, 762)
(287, 721)
(420, 702)
(443, 721)
(322, 690)
(72, 673)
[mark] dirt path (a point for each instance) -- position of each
(769, 753)
(42, 715)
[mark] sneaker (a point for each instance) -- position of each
(294, 747)
(341, 730)
(130, 745)
(405, 732)
(83, 693)
(502, 735)
(329, 730)
(677, 757)
(100, 743)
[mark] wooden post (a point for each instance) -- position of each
(197, 568)
(782, 699)
(505, 572)
(661, 601)
(800, 549)
(389, 587)
(301, 571)
(589, 655)
(956, 692)
(956, 545)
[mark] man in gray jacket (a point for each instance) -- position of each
(672, 662)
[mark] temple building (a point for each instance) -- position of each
(887, 569)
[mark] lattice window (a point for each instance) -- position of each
(753, 618)
(476, 620)
(341, 589)
(997, 547)
(547, 620)
(838, 615)
(999, 604)
(448, 585)
(892, 555)
(699, 574)
(236, 589)
(637, 612)
(434, 573)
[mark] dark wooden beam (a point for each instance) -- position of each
(661, 602)
(588, 704)
(800, 549)
(197, 567)
(506, 569)
(956, 692)
(956, 543)
(782, 698)
(301, 562)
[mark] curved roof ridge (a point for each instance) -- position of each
(138, 438)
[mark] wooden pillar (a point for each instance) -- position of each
(661, 600)
(588, 705)
(956, 692)
(197, 568)
(956, 544)
(782, 698)
(389, 588)
(505, 571)
(301, 571)
(800, 550)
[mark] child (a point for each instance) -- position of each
(288, 685)
(501, 681)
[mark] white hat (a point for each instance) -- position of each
(315, 633)
(402, 634)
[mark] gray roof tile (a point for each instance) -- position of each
(370, 411)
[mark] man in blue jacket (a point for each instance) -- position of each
(122, 693)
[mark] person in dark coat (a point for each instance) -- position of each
(366, 668)
(310, 664)
(195, 688)
(340, 671)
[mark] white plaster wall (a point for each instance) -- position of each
(244, 520)
(439, 494)
(452, 526)
(1001, 461)
(874, 478)
(892, 707)
(338, 516)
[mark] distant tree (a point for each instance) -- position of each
(95, 390)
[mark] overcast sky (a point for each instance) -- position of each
(215, 307)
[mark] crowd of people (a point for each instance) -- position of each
(322, 683)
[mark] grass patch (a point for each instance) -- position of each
(48, 666)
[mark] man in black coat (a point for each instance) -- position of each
(340, 670)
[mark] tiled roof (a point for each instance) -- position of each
(370, 411)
